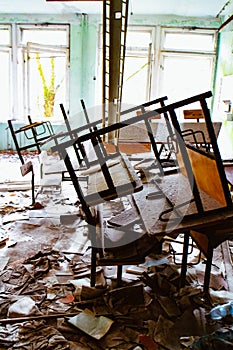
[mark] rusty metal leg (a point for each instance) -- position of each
(33, 187)
(184, 260)
(93, 266)
(119, 274)
(208, 268)
(15, 141)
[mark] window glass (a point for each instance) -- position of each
(44, 70)
(5, 71)
(5, 85)
(135, 80)
(47, 83)
(185, 76)
(138, 39)
(44, 36)
(186, 64)
(189, 41)
(136, 68)
(4, 35)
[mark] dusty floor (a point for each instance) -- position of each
(44, 283)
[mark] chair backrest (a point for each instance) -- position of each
(204, 169)
(193, 114)
(110, 175)
(30, 136)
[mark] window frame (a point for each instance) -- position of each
(158, 52)
(162, 52)
(193, 31)
(143, 52)
(18, 82)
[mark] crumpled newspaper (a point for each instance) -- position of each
(32, 335)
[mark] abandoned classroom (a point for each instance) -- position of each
(116, 174)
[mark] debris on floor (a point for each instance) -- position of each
(46, 301)
(42, 293)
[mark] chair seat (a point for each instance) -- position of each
(29, 126)
(124, 178)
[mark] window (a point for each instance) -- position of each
(5, 70)
(35, 74)
(5, 35)
(163, 61)
(45, 61)
(137, 68)
(186, 62)
(188, 41)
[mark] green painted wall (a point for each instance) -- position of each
(83, 57)
(175, 21)
(75, 65)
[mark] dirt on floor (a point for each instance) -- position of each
(46, 301)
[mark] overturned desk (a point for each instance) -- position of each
(197, 200)
(203, 207)
(167, 209)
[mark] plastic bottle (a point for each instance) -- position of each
(221, 311)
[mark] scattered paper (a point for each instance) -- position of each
(96, 327)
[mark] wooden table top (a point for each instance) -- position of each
(186, 218)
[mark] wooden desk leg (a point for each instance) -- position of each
(184, 260)
(208, 268)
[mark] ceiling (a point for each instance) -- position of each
(196, 8)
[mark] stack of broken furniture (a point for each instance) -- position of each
(194, 199)
(110, 175)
